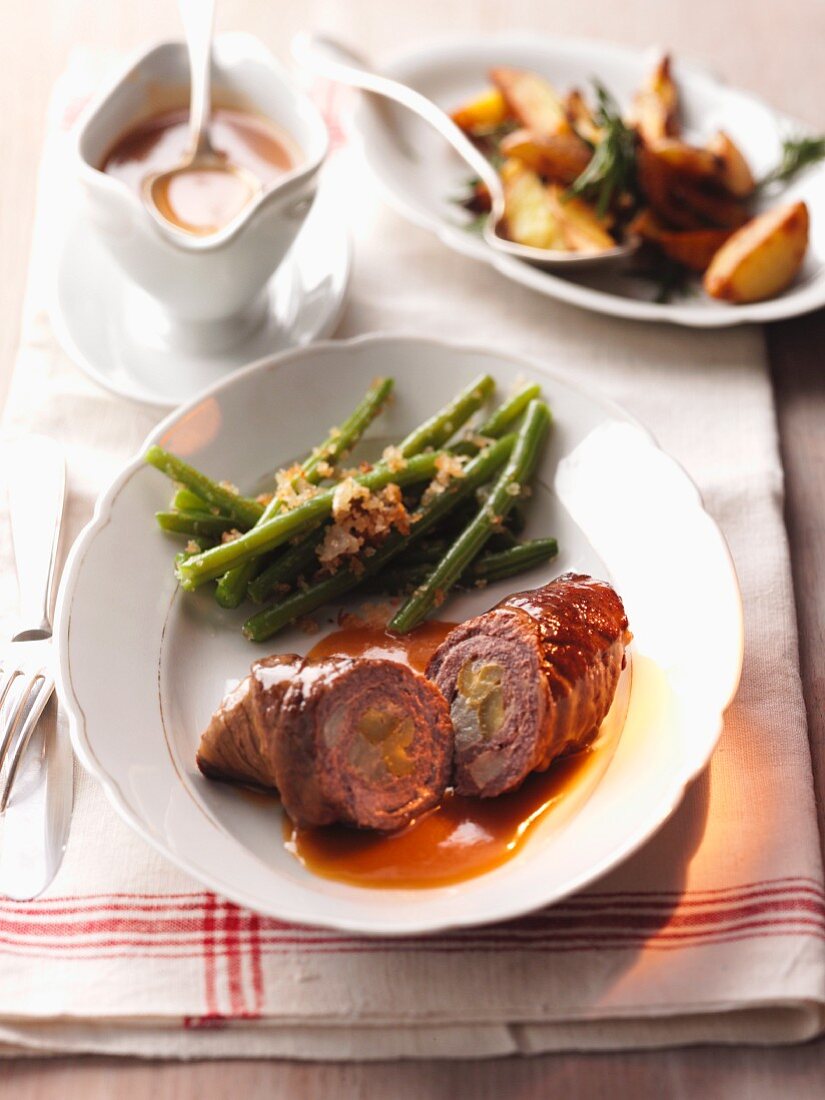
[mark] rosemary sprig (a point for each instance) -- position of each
(612, 168)
(798, 153)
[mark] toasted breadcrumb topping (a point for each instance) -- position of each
(392, 457)
(264, 498)
(192, 547)
(230, 536)
(292, 488)
(230, 488)
(361, 519)
(447, 467)
(477, 439)
(354, 471)
(325, 469)
(346, 494)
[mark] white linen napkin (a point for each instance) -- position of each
(714, 932)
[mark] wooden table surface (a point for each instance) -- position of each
(769, 48)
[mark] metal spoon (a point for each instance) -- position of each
(198, 18)
(336, 62)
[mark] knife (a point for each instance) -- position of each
(35, 825)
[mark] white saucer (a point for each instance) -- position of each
(117, 334)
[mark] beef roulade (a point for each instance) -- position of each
(364, 742)
(529, 680)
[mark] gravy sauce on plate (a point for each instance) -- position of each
(459, 839)
(202, 200)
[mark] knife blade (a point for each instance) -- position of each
(36, 823)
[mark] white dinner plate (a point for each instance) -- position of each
(421, 176)
(142, 665)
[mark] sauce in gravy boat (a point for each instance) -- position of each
(208, 259)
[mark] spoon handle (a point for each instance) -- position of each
(198, 17)
(335, 61)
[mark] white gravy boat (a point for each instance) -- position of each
(211, 288)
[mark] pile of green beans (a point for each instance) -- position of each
(460, 536)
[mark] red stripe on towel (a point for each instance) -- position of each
(225, 922)
(255, 964)
(209, 948)
(232, 950)
(68, 906)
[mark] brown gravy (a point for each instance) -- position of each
(461, 838)
(202, 201)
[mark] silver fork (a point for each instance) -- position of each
(36, 495)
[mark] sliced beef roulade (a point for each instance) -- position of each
(530, 679)
(365, 742)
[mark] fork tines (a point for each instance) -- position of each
(18, 718)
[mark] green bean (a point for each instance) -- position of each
(185, 500)
(234, 584)
(194, 523)
(271, 619)
(281, 528)
(512, 525)
(341, 440)
(287, 567)
(501, 419)
(425, 552)
(489, 567)
(201, 543)
(445, 423)
(300, 557)
(243, 512)
(497, 565)
(508, 488)
(432, 433)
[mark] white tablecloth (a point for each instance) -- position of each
(715, 932)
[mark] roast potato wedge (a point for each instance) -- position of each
(533, 101)
(693, 248)
(656, 184)
(559, 157)
(582, 229)
(655, 111)
(483, 113)
(581, 117)
(681, 200)
(710, 207)
(688, 160)
(735, 174)
(762, 258)
(529, 213)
